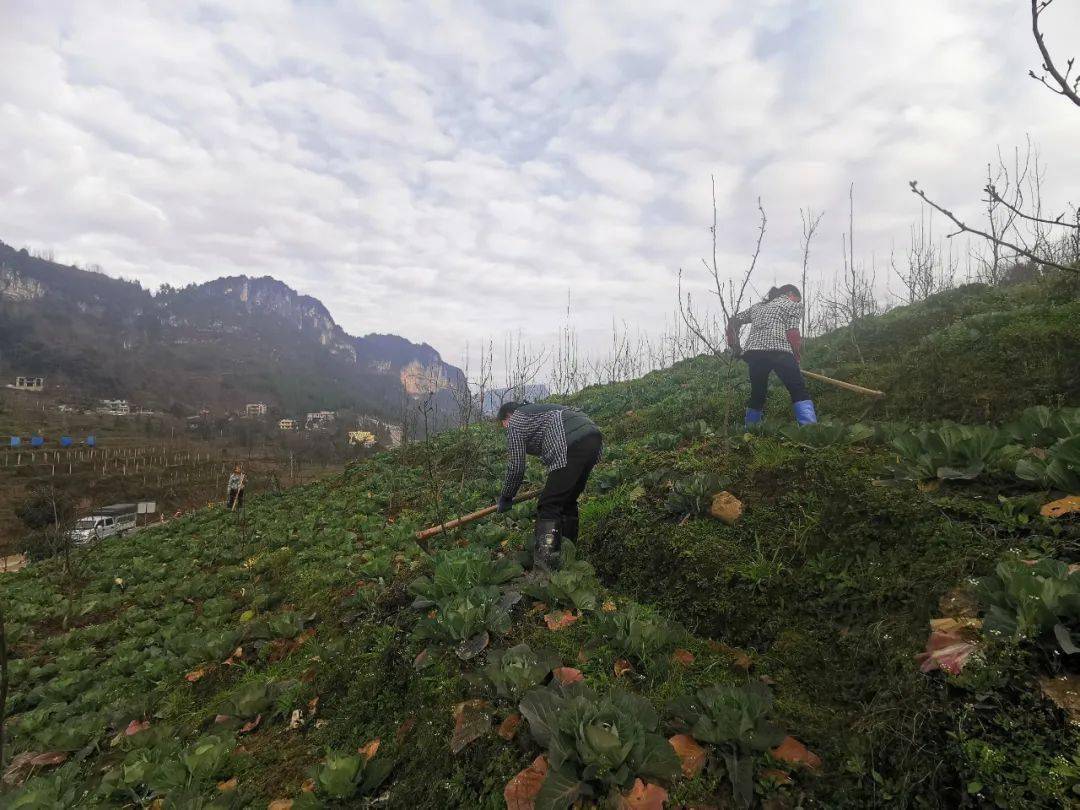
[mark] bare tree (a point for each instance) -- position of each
(1064, 84)
(521, 366)
(730, 292)
(1056, 241)
(567, 369)
(810, 222)
(930, 267)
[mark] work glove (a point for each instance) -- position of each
(505, 504)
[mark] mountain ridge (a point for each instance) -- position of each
(273, 343)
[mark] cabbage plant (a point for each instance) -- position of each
(514, 671)
(737, 722)
(639, 634)
(595, 744)
(1039, 602)
(459, 571)
(1059, 469)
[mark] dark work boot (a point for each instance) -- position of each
(546, 545)
(570, 528)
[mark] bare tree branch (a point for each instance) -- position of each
(810, 223)
(1065, 87)
(997, 240)
(1059, 221)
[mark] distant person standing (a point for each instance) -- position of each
(569, 444)
(237, 481)
(774, 344)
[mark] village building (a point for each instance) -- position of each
(362, 438)
(115, 407)
(33, 384)
(288, 424)
(319, 419)
(255, 409)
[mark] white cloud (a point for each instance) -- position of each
(448, 171)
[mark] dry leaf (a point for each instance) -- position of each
(608, 606)
(776, 775)
(560, 619)
(740, 660)
(567, 675)
(581, 656)
(643, 796)
(196, 674)
(22, 765)
(222, 718)
(508, 727)
(537, 607)
(251, 725)
(1065, 693)
(135, 726)
(691, 755)
(308, 786)
(227, 786)
(369, 750)
(684, 657)
(964, 626)
(421, 659)
(472, 720)
(622, 666)
(1062, 506)
(520, 792)
(794, 752)
(959, 602)
(296, 719)
(403, 730)
(947, 651)
(280, 804)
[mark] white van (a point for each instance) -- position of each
(105, 522)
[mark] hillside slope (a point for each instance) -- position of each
(224, 661)
(220, 344)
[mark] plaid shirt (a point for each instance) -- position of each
(537, 434)
(769, 324)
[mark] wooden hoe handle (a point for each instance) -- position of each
(469, 518)
(858, 389)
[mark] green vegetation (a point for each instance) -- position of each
(317, 653)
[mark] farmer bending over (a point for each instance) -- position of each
(774, 345)
(569, 444)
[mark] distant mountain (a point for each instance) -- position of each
(217, 345)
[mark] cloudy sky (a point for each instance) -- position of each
(448, 171)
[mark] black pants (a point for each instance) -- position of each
(783, 363)
(235, 496)
(559, 500)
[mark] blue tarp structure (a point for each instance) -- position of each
(16, 441)
(90, 441)
(37, 441)
(65, 441)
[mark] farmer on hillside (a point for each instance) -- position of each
(774, 345)
(569, 444)
(237, 480)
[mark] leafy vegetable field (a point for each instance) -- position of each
(876, 614)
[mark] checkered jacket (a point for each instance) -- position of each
(537, 434)
(769, 324)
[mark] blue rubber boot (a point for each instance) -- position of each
(804, 412)
(753, 417)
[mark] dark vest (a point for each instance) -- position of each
(575, 423)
